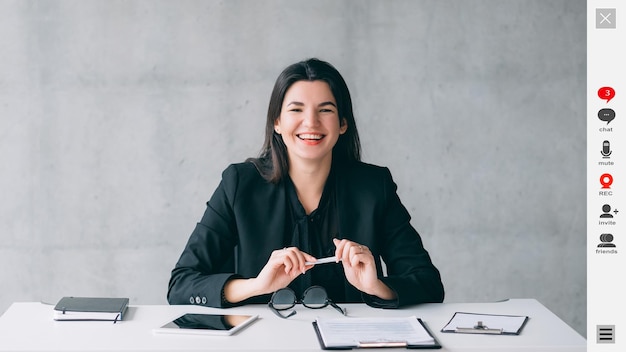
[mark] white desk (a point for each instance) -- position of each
(29, 327)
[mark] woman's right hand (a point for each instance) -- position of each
(283, 266)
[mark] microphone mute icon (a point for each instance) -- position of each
(606, 149)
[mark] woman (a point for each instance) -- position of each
(307, 196)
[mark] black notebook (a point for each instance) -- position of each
(91, 308)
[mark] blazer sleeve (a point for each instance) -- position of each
(207, 260)
(410, 271)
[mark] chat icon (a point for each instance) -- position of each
(606, 115)
(606, 93)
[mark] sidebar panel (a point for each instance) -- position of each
(606, 176)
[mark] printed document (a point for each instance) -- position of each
(341, 332)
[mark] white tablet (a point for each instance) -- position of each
(206, 324)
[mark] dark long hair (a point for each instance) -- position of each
(273, 162)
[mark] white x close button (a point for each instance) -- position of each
(606, 18)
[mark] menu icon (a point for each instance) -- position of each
(605, 333)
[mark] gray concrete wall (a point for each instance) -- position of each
(117, 118)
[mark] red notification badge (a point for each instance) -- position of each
(606, 93)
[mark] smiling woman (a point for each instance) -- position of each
(309, 123)
(306, 196)
(310, 126)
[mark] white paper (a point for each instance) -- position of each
(508, 323)
(356, 331)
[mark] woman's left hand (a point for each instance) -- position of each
(359, 267)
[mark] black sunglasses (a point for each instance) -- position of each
(315, 297)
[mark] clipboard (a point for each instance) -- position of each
(380, 344)
(490, 324)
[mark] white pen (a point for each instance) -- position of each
(323, 261)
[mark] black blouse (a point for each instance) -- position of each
(313, 234)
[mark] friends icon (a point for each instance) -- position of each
(606, 241)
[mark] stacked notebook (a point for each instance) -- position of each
(91, 308)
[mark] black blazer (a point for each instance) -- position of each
(245, 221)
